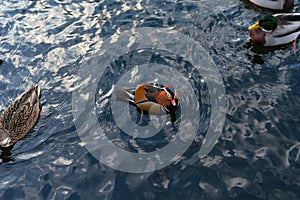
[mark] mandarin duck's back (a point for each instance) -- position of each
(19, 117)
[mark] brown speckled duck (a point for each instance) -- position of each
(19, 117)
(151, 98)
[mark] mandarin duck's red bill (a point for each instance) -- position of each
(151, 98)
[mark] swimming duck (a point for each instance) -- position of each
(19, 117)
(277, 29)
(151, 98)
(274, 4)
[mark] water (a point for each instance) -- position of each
(45, 42)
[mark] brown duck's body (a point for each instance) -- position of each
(19, 117)
(151, 98)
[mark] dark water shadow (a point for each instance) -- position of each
(5, 155)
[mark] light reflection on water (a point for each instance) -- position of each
(257, 156)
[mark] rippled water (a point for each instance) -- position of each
(257, 155)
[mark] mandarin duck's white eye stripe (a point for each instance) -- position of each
(165, 89)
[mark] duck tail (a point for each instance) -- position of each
(125, 95)
(34, 93)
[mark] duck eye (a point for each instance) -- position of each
(168, 94)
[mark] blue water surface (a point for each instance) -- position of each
(257, 156)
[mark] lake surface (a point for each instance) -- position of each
(256, 156)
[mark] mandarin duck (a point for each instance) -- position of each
(277, 29)
(274, 4)
(151, 98)
(19, 117)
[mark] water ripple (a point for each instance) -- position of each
(257, 156)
